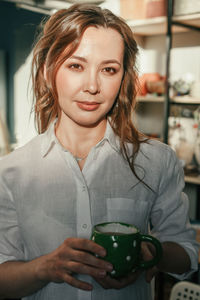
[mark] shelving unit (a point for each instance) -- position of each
(166, 26)
(187, 22)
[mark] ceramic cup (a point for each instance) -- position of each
(123, 245)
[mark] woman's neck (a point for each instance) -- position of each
(79, 139)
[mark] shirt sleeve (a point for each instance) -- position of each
(11, 248)
(169, 216)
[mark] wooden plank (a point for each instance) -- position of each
(192, 179)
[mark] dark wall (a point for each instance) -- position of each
(18, 29)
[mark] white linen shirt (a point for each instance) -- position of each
(46, 198)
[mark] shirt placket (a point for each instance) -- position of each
(83, 209)
(83, 217)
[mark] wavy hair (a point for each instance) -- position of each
(60, 37)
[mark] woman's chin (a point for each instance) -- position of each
(90, 122)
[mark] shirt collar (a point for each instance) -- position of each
(110, 136)
(49, 138)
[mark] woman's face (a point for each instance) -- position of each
(88, 82)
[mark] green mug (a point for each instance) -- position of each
(123, 247)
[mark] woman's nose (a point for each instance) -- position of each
(92, 83)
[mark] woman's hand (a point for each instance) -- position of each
(118, 283)
(74, 256)
(147, 252)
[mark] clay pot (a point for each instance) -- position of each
(156, 8)
(147, 77)
(157, 87)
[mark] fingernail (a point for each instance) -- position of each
(102, 273)
(109, 267)
(103, 253)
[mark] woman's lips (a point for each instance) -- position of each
(89, 106)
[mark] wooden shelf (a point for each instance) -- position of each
(150, 99)
(147, 27)
(178, 99)
(158, 25)
(192, 19)
(185, 100)
(192, 179)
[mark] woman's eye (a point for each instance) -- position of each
(75, 67)
(109, 70)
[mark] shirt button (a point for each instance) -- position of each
(83, 188)
(84, 226)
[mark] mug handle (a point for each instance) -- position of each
(158, 255)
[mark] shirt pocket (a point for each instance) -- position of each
(128, 210)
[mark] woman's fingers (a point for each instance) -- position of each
(148, 252)
(108, 282)
(76, 283)
(79, 268)
(85, 245)
(77, 256)
(112, 283)
(150, 273)
(89, 259)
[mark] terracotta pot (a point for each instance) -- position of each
(133, 9)
(156, 8)
(147, 77)
(157, 87)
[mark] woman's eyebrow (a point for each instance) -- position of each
(78, 57)
(111, 61)
(107, 61)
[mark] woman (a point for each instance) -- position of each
(88, 165)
